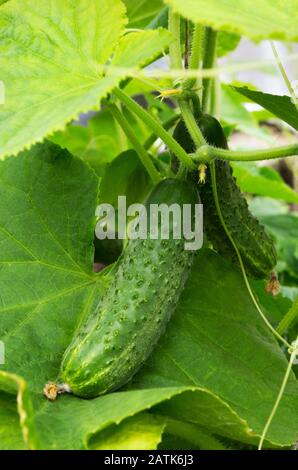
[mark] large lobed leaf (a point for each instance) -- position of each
(52, 59)
(46, 230)
(266, 19)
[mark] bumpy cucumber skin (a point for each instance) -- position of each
(116, 339)
(255, 245)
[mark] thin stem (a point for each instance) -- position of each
(190, 122)
(208, 152)
(187, 115)
(283, 72)
(279, 396)
(208, 62)
(223, 223)
(216, 97)
(156, 128)
(186, 112)
(196, 103)
(289, 318)
(196, 54)
(175, 46)
(142, 153)
(166, 125)
(181, 173)
(121, 135)
(196, 48)
(158, 73)
(186, 52)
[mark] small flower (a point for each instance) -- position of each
(202, 173)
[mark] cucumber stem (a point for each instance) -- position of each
(294, 352)
(142, 153)
(209, 56)
(196, 54)
(191, 124)
(215, 105)
(175, 47)
(166, 125)
(208, 152)
(283, 72)
(156, 128)
(186, 111)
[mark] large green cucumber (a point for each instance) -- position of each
(255, 245)
(116, 339)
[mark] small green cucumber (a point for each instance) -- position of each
(255, 245)
(118, 337)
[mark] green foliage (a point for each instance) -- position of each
(213, 327)
(263, 181)
(143, 432)
(283, 225)
(235, 113)
(226, 42)
(129, 179)
(141, 12)
(275, 20)
(54, 73)
(214, 376)
(281, 106)
(96, 143)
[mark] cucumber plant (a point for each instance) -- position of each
(168, 329)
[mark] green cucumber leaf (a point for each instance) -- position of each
(263, 181)
(226, 43)
(143, 432)
(125, 176)
(53, 58)
(141, 12)
(275, 308)
(11, 436)
(280, 106)
(46, 270)
(195, 436)
(266, 19)
(217, 366)
(95, 144)
(235, 113)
